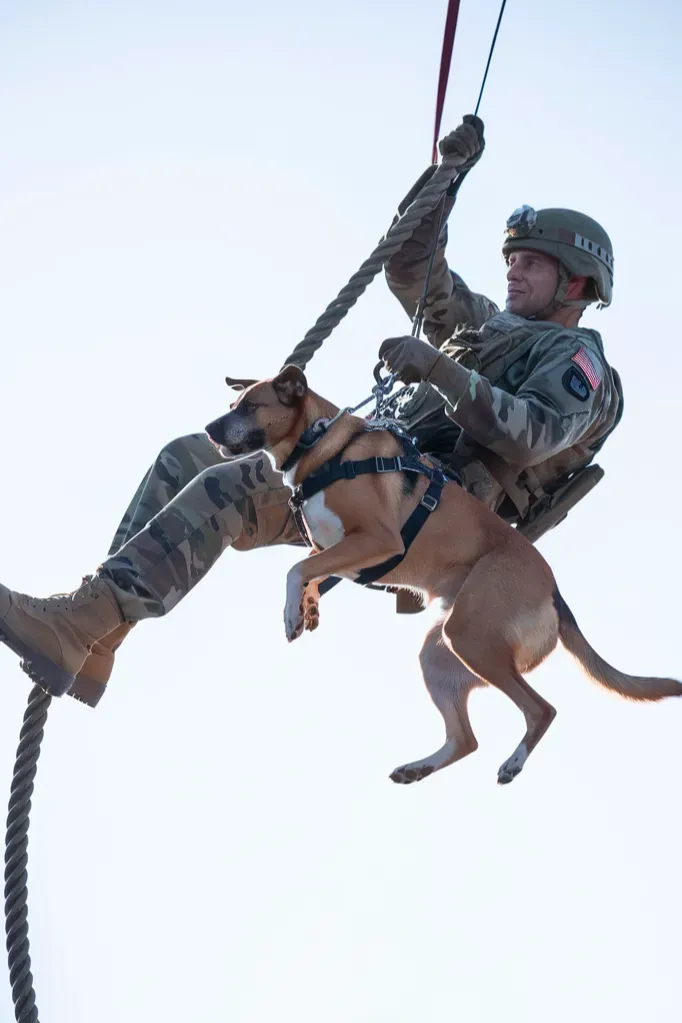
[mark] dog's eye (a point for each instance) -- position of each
(245, 407)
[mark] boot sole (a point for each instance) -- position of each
(87, 691)
(41, 670)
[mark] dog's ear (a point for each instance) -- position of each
(237, 384)
(291, 385)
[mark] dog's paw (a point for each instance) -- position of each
(512, 767)
(408, 773)
(311, 607)
(507, 773)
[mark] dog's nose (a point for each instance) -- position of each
(215, 430)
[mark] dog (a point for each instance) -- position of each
(500, 611)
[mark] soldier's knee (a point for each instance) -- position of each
(193, 446)
(183, 458)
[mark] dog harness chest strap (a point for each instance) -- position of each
(335, 470)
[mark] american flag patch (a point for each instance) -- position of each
(584, 362)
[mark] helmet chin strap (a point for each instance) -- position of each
(559, 300)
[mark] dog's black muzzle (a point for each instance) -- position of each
(219, 432)
(216, 430)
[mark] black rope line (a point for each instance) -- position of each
(490, 57)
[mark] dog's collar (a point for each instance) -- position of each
(308, 440)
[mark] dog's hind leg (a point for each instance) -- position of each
(449, 683)
(488, 631)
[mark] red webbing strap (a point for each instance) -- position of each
(445, 59)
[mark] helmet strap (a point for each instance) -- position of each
(559, 300)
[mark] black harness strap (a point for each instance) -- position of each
(428, 503)
(335, 470)
(305, 442)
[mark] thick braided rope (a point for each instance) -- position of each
(16, 857)
(400, 232)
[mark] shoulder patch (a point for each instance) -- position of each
(584, 362)
(576, 384)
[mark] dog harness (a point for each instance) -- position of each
(335, 469)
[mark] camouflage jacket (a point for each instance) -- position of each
(540, 399)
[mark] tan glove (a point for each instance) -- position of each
(413, 360)
(466, 143)
(409, 358)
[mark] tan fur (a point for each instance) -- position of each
(503, 613)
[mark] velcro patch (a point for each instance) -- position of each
(585, 363)
(576, 384)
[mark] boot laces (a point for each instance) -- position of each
(60, 602)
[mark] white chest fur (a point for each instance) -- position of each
(326, 528)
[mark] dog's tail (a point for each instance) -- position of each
(632, 687)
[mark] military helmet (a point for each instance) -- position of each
(578, 242)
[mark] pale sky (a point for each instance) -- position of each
(183, 189)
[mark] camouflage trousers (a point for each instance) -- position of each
(190, 506)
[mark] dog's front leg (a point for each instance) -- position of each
(346, 558)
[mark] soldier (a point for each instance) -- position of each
(518, 400)
(515, 400)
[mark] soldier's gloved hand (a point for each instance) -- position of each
(409, 358)
(465, 144)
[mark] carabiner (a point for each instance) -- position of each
(384, 384)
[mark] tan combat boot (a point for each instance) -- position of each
(91, 680)
(53, 636)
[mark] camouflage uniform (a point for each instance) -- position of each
(190, 506)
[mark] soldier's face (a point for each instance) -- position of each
(532, 281)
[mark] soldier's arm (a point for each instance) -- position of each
(450, 303)
(551, 411)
